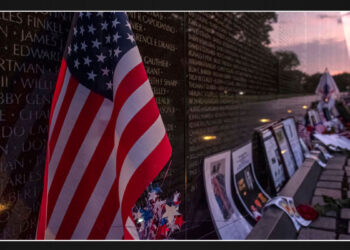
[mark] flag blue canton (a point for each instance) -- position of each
(99, 41)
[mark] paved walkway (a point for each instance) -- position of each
(334, 182)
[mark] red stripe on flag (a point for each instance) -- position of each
(71, 88)
(139, 124)
(87, 183)
(130, 83)
(107, 214)
(40, 232)
(143, 176)
(76, 138)
(135, 129)
(134, 79)
(59, 84)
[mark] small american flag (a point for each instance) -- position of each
(107, 140)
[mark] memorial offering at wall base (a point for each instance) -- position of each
(284, 149)
(274, 160)
(248, 189)
(287, 205)
(314, 117)
(229, 222)
(292, 135)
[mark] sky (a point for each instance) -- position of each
(320, 39)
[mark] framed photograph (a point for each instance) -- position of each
(284, 149)
(249, 191)
(229, 222)
(293, 138)
(314, 117)
(273, 159)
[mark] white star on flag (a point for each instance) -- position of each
(131, 38)
(92, 75)
(109, 85)
(117, 52)
(105, 71)
(76, 63)
(104, 25)
(83, 46)
(87, 61)
(116, 37)
(91, 29)
(96, 44)
(115, 22)
(101, 57)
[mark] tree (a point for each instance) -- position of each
(311, 82)
(343, 81)
(287, 60)
(262, 26)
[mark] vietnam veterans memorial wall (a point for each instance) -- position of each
(212, 77)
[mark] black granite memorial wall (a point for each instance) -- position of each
(212, 77)
(31, 48)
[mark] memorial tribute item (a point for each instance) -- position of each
(158, 218)
(314, 117)
(248, 189)
(99, 121)
(273, 159)
(324, 151)
(308, 154)
(328, 92)
(229, 222)
(284, 149)
(287, 205)
(334, 141)
(293, 138)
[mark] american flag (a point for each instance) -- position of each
(107, 140)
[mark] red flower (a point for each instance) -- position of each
(307, 212)
(310, 128)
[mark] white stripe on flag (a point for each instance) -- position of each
(79, 165)
(49, 235)
(76, 106)
(125, 65)
(96, 200)
(60, 100)
(130, 226)
(139, 152)
(116, 231)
